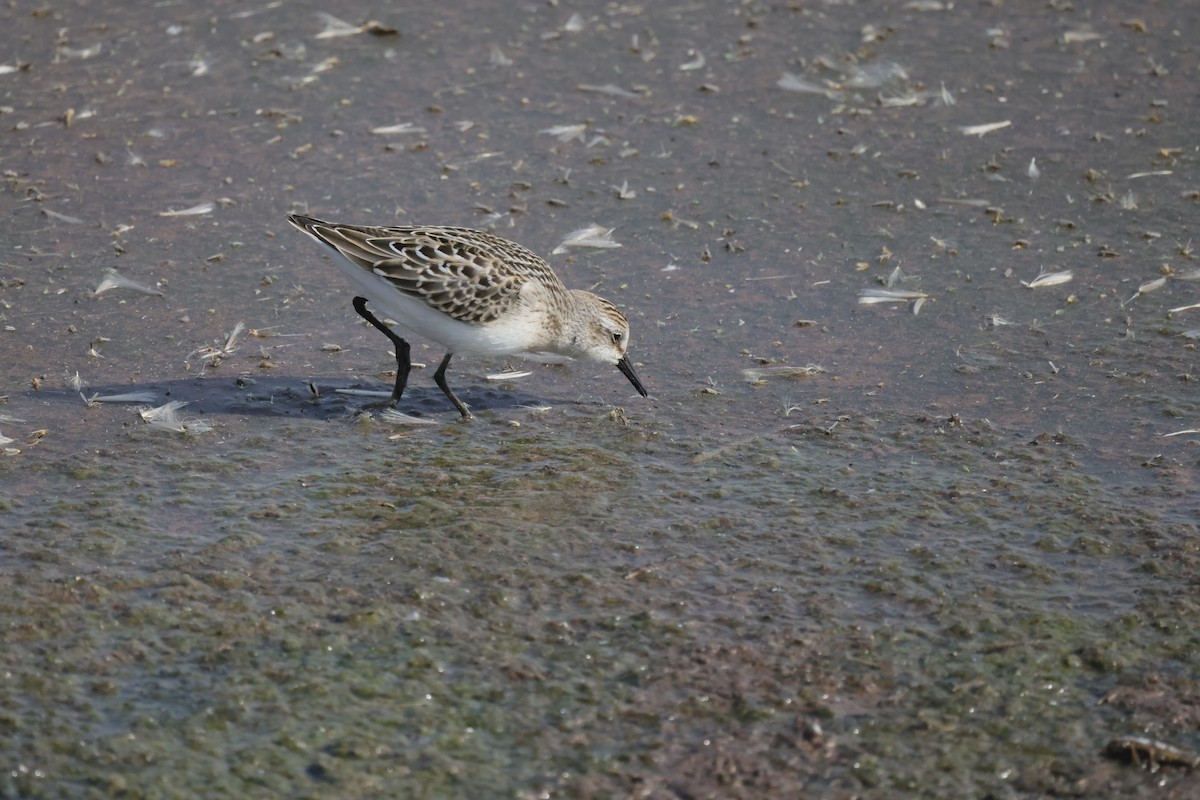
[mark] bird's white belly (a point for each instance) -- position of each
(514, 333)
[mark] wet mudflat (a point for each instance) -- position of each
(911, 510)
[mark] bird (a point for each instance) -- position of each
(470, 291)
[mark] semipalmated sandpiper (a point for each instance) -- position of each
(472, 292)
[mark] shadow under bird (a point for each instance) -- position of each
(472, 292)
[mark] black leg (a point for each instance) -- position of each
(403, 361)
(439, 377)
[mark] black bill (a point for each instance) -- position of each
(627, 369)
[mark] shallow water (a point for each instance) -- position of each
(956, 557)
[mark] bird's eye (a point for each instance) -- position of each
(616, 337)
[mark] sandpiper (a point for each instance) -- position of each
(472, 292)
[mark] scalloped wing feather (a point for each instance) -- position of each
(468, 275)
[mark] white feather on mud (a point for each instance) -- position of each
(215, 355)
(193, 211)
(987, 127)
(129, 397)
(592, 236)
(397, 129)
(1049, 279)
(166, 418)
(1147, 288)
(873, 296)
(565, 133)
(508, 375)
(114, 280)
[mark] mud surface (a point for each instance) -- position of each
(900, 517)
